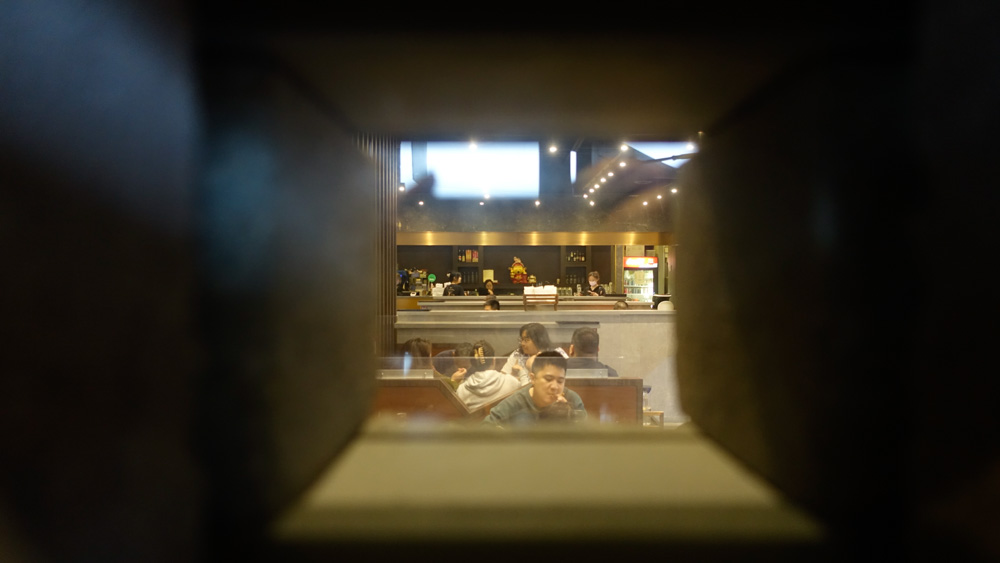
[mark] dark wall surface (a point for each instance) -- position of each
(98, 153)
(286, 310)
(174, 292)
(836, 305)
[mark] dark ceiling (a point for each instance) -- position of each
(662, 74)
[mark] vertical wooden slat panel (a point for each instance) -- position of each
(384, 152)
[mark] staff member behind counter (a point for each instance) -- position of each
(454, 286)
(594, 290)
(487, 288)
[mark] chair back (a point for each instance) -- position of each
(533, 300)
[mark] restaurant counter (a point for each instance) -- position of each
(512, 302)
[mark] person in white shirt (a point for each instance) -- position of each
(534, 339)
(482, 383)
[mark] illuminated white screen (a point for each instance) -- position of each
(464, 170)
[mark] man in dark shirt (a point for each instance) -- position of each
(583, 350)
(533, 402)
(455, 287)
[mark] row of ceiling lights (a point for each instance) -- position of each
(591, 200)
(553, 149)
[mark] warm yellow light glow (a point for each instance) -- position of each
(659, 196)
(624, 147)
(537, 203)
(604, 179)
(553, 148)
(610, 174)
(622, 164)
(673, 191)
(402, 188)
(597, 185)
(645, 203)
(584, 196)
(591, 202)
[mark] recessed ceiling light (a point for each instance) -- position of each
(624, 147)
(673, 191)
(658, 196)
(402, 188)
(591, 202)
(690, 146)
(482, 203)
(486, 196)
(592, 189)
(553, 148)
(610, 174)
(584, 196)
(622, 164)
(603, 180)
(537, 203)
(645, 203)
(420, 203)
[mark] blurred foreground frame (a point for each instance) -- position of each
(152, 407)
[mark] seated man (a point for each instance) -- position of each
(583, 350)
(529, 404)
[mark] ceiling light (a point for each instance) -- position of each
(584, 196)
(553, 148)
(624, 147)
(622, 164)
(420, 203)
(610, 174)
(645, 203)
(537, 203)
(482, 203)
(402, 188)
(603, 180)
(472, 145)
(592, 189)
(591, 202)
(597, 185)
(486, 196)
(673, 191)
(658, 196)
(690, 146)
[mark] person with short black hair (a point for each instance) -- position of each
(583, 350)
(529, 404)
(491, 304)
(454, 286)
